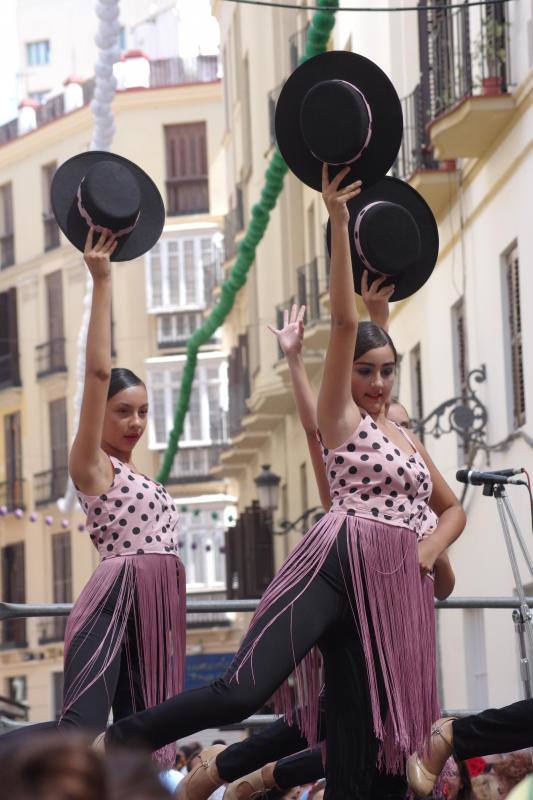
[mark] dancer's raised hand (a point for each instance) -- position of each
(376, 298)
(334, 198)
(291, 334)
(97, 256)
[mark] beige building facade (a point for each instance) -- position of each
(174, 131)
(467, 148)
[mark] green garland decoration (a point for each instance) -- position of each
(318, 35)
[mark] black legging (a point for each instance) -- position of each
(295, 765)
(323, 616)
(113, 690)
(496, 730)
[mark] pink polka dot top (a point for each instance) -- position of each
(134, 516)
(371, 477)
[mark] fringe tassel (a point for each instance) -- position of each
(153, 587)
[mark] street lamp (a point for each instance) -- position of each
(267, 483)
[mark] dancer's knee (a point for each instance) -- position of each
(239, 699)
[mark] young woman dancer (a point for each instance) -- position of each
(355, 587)
(306, 765)
(125, 637)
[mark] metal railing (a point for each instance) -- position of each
(27, 610)
(50, 357)
(415, 151)
(12, 494)
(9, 371)
(195, 463)
(469, 54)
(7, 250)
(49, 485)
(180, 71)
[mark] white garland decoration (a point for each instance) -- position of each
(107, 42)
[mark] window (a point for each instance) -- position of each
(51, 354)
(122, 38)
(58, 446)
(7, 238)
(176, 272)
(205, 421)
(51, 229)
(201, 546)
(173, 330)
(17, 689)
(417, 399)
(12, 490)
(9, 346)
(61, 578)
(514, 337)
(13, 591)
(187, 174)
(38, 53)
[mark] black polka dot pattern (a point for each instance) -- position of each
(376, 476)
(150, 519)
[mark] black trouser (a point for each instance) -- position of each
(496, 730)
(299, 766)
(113, 689)
(322, 616)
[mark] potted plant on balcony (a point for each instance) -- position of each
(491, 55)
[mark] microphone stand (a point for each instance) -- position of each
(522, 617)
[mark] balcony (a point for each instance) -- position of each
(163, 72)
(180, 71)
(9, 370)
(51, 232)
(469, 60)
(173, 330)
(193, 464)
(415, 163)
(12, 494)
(187, 196)
(213, 277)
(233, 224)
(49, 485)
(311, 285)
(50, 357)
(7, 250)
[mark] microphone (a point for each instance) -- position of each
(476, 478)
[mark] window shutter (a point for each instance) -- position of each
(13, 459)
(61, 577)
(14, 591)
(58, 445)
(187, 174)
(515, 337)
(258, 557)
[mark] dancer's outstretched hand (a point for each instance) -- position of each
(376, 298)
(334, 198)
(291, 335)
(97, 255)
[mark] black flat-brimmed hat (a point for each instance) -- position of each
(392, 232)
(109, 192)
(339, 108)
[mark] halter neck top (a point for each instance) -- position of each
(134, 516)
(371, 477)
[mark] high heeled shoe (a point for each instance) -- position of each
(258, 785)
(202, 781)
(419, 778)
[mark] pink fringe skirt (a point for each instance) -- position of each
(152, 588)
(393, 607)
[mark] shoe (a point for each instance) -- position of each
(201, 781)
(419, 778)
(257, 786)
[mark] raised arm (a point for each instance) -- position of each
(89, 466)
(376, 299)
(338, 415)
(290, 339)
